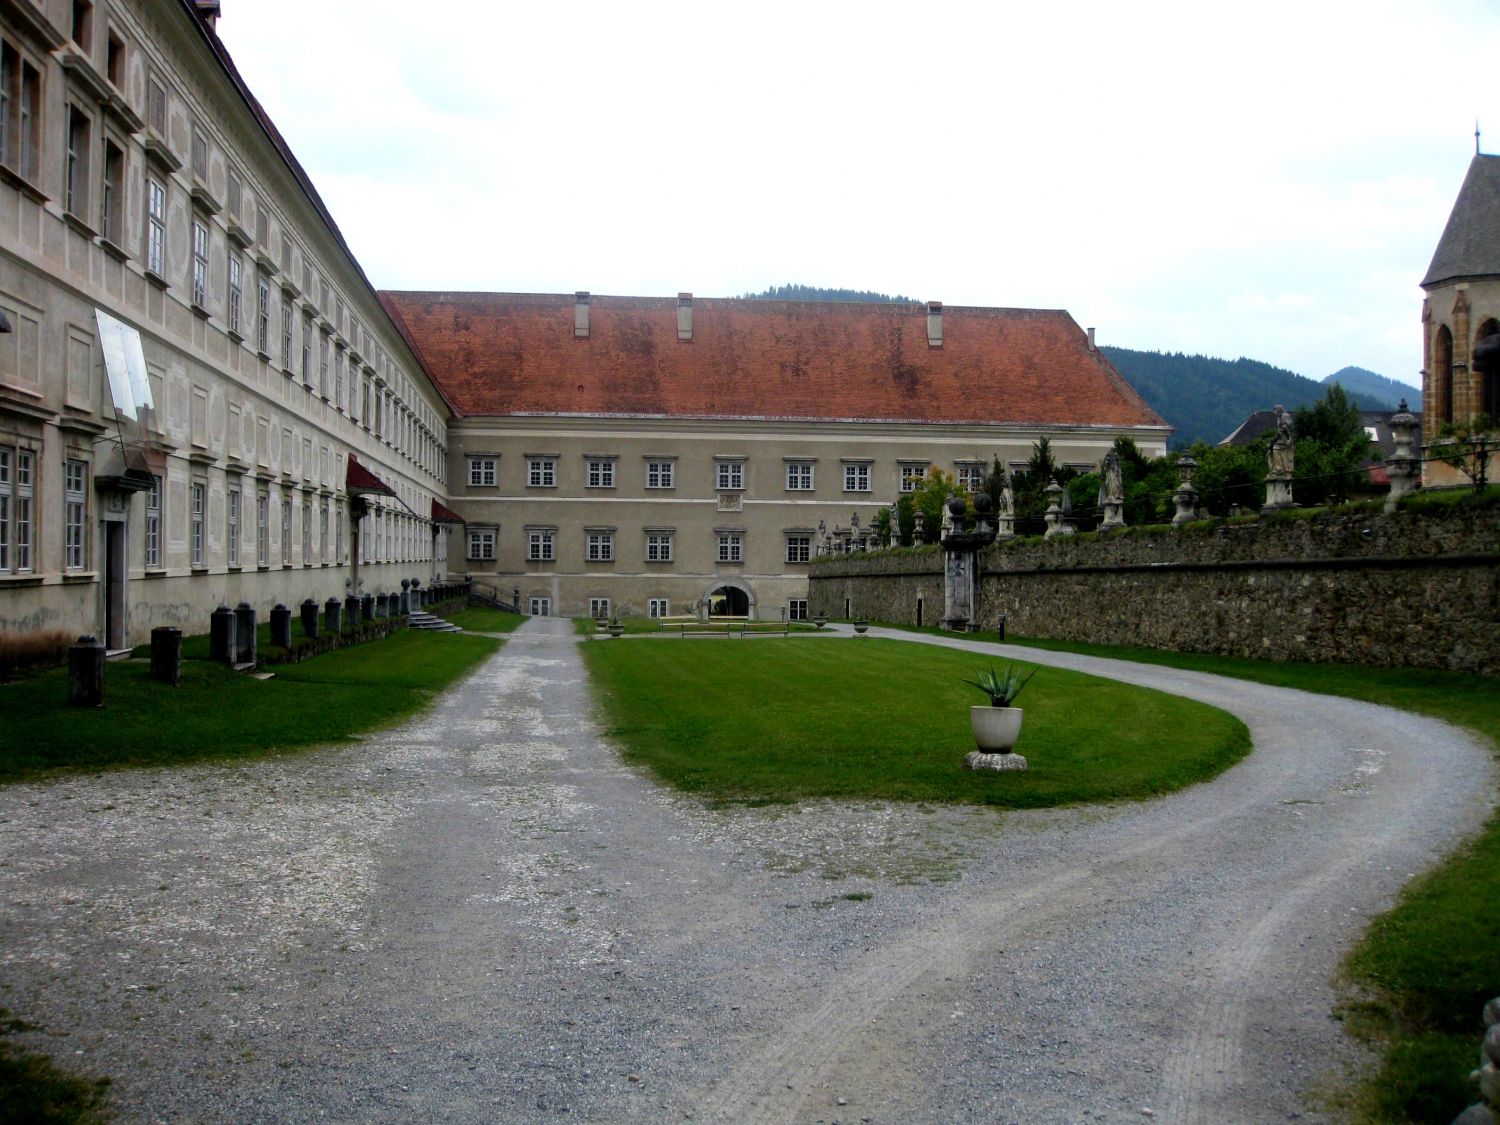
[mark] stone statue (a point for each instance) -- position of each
(821, 542)
(1111, 484)
(1279, 454)
(1007, 505)
(947, 527)
(895, 524)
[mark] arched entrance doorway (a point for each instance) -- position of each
(729, 598)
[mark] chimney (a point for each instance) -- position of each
(934, 324)
(209, 12)
(1091, 339)
(581, 314)
(685, 317)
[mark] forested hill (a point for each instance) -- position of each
(1206, 398)
(1367, 384)
(811, 293)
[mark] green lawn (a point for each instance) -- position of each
(482, 619)
(1424, 970)
(872, 718)
(218, 713)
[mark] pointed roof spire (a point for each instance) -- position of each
(1470, 246)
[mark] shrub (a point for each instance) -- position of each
(29, 652)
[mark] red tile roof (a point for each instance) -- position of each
(509, 353)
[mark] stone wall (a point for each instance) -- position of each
(1417, 588)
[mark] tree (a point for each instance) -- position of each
(1331, 451)
(1467, 447)
(1030, 485)
(929, 498)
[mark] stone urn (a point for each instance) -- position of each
(995, 728)
(616, 630)
(861, 626)
(819, 620)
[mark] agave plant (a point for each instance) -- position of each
(1002, 686)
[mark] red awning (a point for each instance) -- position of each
(440, 514)
(359, 481)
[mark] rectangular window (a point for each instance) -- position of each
(658, 546)
(539, 545)
(7, 488)
(29, 122)
(10, 78)
(338, 378)
(153, 525)
(912, 477)
(323, 364)
(111, 208)
(598, 607)
(76, 168)
(263, 529)
(197, 524)
(731, 548)
(114, 61)
(601, 474)
(323, 531)
(857, 478)
(658, 607)
(307, 342)
(600, 546)
(75, 514)
(232, 526)
(287, 313)
(236, 289)
(661, 474)
(799, 476)
(796, 609)
(481, 472)
(798, 548)
(541, 472)
(156, 227)
(307, 524)
(482, 543)
(200, 264)
(262, 316)
(83, 25)
(16, 488)
(971, 476)
(338, 531)
(731, 475)
(541, 607)
(286, 532)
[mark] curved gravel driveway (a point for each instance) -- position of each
(482, 916)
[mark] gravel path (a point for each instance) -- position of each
(482, 916)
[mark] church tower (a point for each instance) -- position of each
(1461, 314)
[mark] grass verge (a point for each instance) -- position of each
(871, 718)
(217, 713)
(1425, 969)
(483, 619)
(34, 1091)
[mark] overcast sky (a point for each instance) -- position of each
(1266, 180)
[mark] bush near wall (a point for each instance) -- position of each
(21, 653)
(1418, 587)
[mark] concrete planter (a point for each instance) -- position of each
(861, 626)
(995, 728)
(616, 630)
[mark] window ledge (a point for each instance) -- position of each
(157, 280)
(200, 311)
(155, 572)
(78, 577)
(79, 225)
(22, 184)
(200, 569)
(114, 249)
(235, 569)
(27, 579)
(234, 335)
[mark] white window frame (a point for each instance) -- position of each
(17, 488)
(541, 545)
(541, 607)
(153, 524)
(262, 316)
(730, 476)
(263, 528)
(599, 546)
(232, 526)
(236, 292)
(912, 477)
(970, 475)
(658, 607)
(661, 474)
(857, 476)
(481, 543)
(482, 472)
(601, 472)
(799, 476)
(307, 539)
(195, 521)
(659, 546)
(286, 530)
(731, 547)
(156, 227)
(541, 472)
(75, 514)
(796, 609)
(599, 607)
(798, 548)
(200, 263)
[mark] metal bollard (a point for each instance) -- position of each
(1000, 625)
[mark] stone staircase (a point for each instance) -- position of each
(421, 619)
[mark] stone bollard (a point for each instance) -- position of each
(333, 610)
(367, 608)
(281, 626)
(166, 655)
(86, 673)
(223, 641)
(381, 606)
(351, 611)
(405, 603)
(310, 619)
(244, 621)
